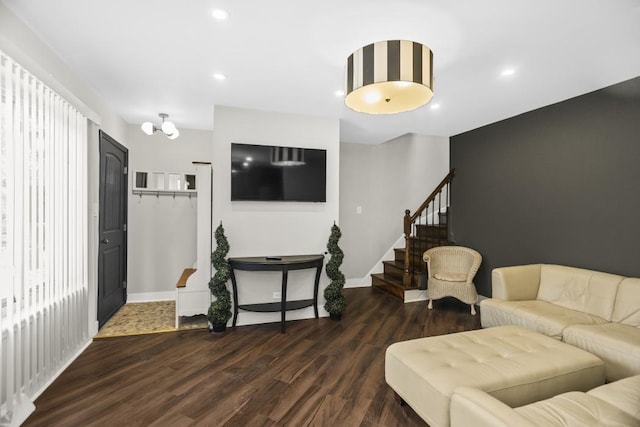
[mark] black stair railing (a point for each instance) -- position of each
(426, 228)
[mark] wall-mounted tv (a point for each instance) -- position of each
(272, 173)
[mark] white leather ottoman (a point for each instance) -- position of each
(513, 364)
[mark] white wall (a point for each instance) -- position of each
(384, 180)
(161, 230)
(273, 228)
(24, 46)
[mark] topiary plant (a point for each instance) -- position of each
(335, 301)
(220, 309)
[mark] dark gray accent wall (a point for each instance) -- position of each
(559, 185)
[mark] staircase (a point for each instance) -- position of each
(427, 228)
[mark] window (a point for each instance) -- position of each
(43, 233)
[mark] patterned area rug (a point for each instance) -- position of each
(148, 318)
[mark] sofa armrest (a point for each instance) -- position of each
(516, 283)
(474, 407)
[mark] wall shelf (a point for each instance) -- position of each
(158, 193)
(164, 184)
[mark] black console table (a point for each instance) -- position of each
(284, 264)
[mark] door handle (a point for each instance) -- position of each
(105, 241)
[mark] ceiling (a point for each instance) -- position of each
(145, 57)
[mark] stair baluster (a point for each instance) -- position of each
(418, 238)
(426, 228)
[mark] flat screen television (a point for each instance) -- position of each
(272, 173)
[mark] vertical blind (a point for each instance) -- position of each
(43, 235)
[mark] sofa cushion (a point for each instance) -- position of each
(579, 289)
(540, 316)
(618, 345)
(575, 409)
(451, 277)
(477, 408)
(627, 306)
(615, 404)
(623, 394)
(516, 283)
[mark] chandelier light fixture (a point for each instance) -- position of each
(389, 77)
(167, 127)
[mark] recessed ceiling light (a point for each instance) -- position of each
(249, 159)
(508, 72)
(219, 76)
(435, 106)
(219, 14)
(245, 164)
(339, 93)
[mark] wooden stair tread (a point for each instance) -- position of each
(400, 266)
(392, 281)
(394, 263)
(182, 281)
(391, 286)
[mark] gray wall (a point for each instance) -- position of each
(560, 184)
(162, 230)
(384, 180)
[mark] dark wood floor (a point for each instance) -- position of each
(320, 373)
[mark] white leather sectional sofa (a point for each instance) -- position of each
(597, 312)
(544, 323)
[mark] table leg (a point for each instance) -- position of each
(315, 289)
(283, 300)
(235, 297)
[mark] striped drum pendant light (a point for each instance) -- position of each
(389, 77)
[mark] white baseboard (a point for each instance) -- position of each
(415, 295)
(61, 370)
(253, 318)
(359, 282)
(94, 327)
(152, 296)
(21, 411)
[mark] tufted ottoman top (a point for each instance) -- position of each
(515, 365)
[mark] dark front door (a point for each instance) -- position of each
(112, 252)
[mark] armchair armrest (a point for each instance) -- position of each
(473, 407)
(516, 283)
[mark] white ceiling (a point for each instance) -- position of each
(150, 56)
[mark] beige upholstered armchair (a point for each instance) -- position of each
(451, 270)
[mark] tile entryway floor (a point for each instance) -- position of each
(148, 318)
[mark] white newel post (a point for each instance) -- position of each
(195, 297)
